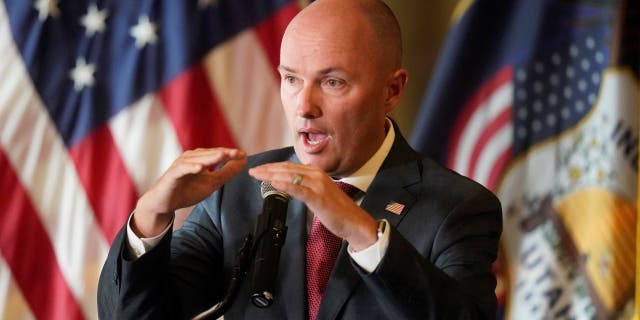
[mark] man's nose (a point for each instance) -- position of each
(308, 103)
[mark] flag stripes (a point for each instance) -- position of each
(104, 178)
(53, 204)
(270, 33)
(146, 140)
(395, 208)
(202, 123)
(496, 127)
(10, 295)
(22, 232)
(497, 147)
(500, 165)
(66, 205)
(251, 127)
(482, 136)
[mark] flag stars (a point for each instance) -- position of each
(82, 74)
(539, 68)
(144, 32)
(538, 87)
(582, 85)
(522, 132)
(47, 8)
(573, 51)
(537, 106)
(522, 113)
(522, 94)
(570, 72)
(567, 92)
(554, 79)
(551, 120)
(556, 88)
(94, 20)
(536, 126)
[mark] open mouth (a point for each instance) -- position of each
(314, 138)
(313, 141)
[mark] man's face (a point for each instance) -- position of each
(333, 94)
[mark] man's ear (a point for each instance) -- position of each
(395, 86)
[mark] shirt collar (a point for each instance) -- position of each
(363, 177)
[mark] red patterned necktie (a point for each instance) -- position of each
(321, 251)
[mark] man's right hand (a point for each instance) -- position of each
(190, 179)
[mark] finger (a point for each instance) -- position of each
(289, 185)
(282, 180)
(281, 171)
(202, 151)
(203, 161)
(184, 168)
(213, 158)
(281, 166)
(229, 170)
(297, 179)
(293, 178)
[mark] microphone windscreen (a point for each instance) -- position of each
(266, 189)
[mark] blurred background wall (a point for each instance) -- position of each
(424, 25)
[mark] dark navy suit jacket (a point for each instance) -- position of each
(437, 265)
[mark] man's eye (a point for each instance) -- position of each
(290, 79)
(333, 83)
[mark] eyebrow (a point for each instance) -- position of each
(284, 68)
(323, 71)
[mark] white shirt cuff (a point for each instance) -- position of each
(369, 258)
(137, 246)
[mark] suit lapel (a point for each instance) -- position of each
(392, 184)
(292, 263)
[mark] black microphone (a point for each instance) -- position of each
(270, 234)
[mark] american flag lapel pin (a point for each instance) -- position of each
(395, 207)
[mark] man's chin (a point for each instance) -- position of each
(318, 160)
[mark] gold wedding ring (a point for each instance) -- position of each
(297, 179)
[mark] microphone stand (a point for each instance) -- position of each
(270, 234)
(238, 272)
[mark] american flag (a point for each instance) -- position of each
(525, 103)
(395, 208)
(97, 98)
(519, 103)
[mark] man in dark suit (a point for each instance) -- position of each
(417, 242)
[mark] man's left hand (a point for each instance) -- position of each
(311, 185)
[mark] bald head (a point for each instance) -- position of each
(385, 28)
(371, 21)
(340, 78)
